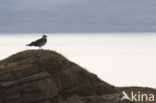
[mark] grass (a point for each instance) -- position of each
(26, 54)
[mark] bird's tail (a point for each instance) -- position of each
(28, 45)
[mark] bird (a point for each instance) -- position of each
(39, 43)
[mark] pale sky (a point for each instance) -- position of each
(64, 16)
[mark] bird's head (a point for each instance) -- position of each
(44, 36)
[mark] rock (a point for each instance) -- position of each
(43, 76)
(75, 99)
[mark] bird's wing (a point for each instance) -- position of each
(37, 42)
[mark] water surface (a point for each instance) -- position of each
(122, 60)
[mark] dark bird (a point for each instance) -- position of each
(40, 42)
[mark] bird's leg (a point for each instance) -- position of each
(40, 50)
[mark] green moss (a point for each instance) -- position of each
(91, 82)
(88, 84)
(26, 54)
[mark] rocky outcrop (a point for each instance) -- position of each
(43, 76)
